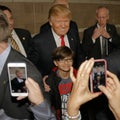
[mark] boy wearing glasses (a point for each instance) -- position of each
(59, 81)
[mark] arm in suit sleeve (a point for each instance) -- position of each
(87, 43)
(43, 112)
(115, 38)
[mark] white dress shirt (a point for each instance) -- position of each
(58, 39)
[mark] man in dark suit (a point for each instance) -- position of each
(18, 83)
(11, 106)
(21, 36)
(44, 43)
(100, 39)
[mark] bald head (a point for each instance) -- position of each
(102, 15)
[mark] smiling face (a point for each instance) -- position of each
(59, 19)
(19, 74)
(60, 24)
(64, 64)
(102, 16)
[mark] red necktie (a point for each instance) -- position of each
(62, 40)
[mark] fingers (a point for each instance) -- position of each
(109, 89)
(72, 75)
(44, 78)
(94, 95)
(80, 74)
(105, 91)
(114, 77)
(31, 84)
(21, 97)
(85, 69)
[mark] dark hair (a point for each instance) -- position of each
(62, 52)
(4, 27)
(2, 7)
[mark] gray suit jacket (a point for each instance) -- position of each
(12, 107)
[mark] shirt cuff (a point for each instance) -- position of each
(42, 111)
(93, 40)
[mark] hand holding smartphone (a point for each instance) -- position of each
(17, 73)
(98, 75)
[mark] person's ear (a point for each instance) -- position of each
(50, 22)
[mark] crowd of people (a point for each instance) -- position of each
(59, 67)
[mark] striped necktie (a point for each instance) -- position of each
(14, 44)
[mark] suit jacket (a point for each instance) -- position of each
(12, 107)
(113, 62)
(93, 49)
(25, 38)
(43, 46)
(18, 86)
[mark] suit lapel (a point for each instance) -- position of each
(51, 40)
(4, 81)
(71, 41)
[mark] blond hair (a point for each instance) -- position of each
(59, 9)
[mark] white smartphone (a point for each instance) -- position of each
(17, 73)
(98, 75)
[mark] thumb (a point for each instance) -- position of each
(104, 90)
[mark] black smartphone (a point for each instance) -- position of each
(98, 75)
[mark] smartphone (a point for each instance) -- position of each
(98, 75)
(17, 73)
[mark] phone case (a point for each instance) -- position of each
(98, 75)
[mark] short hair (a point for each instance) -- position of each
(17, 71)
(62, 52)
(102, 7)
(2, 7)
(4, 27)
(64, 2)
(59, 9)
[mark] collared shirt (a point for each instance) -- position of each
(3, 57)
(101, 37)
(16, 38)
(20, 80)
(58, 39)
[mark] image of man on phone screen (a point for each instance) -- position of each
(18, 83)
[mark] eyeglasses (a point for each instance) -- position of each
(68, 60)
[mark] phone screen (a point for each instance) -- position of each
(17, 75)
(98, 75)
